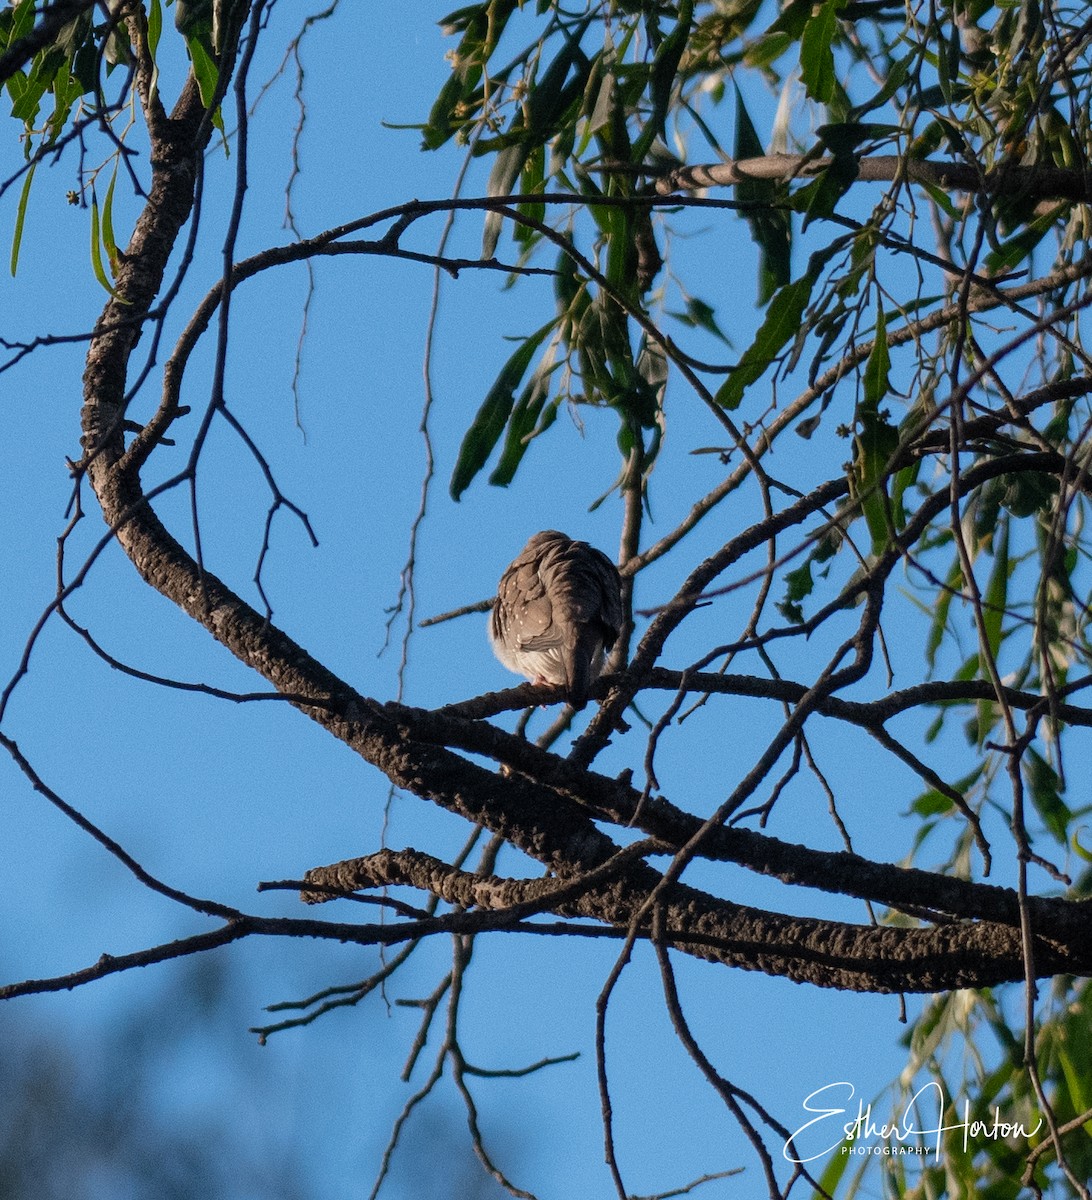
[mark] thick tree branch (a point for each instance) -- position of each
(829, 953)
(1044, 183)
(837, 872)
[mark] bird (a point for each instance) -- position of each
(557, 613)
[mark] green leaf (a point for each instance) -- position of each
(1027, 492)
(836, 1169)
(874, 447)
(602, 109)
(469, 17)
(701, 315)
(66, 91)
(549, 97)
(16, 85)
(530, 417)
(108, 240)
(665, 66)
(816, 53)
(768, 48)
(819, 198)
(620, 243)
(96, 248)
(205, 71)
(155, 31)
(799, 583)
(456, 95)
(532, 182)
(1043, 787)
(844, 137)
(770, 226)
(953, 584)
(20, 217)
(997, 589)
(932, 803)
(948, 55)
(507, 167)
(878, 366)
(904, 479)
(155, 25)
(875, 443)
(782, 323)
(896, 77)
(33, 88)
(492, 417)
(792, 19)
(85, 66)
(22, 20)
(1017, 250)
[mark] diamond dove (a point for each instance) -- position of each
(557, 613)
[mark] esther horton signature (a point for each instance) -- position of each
(844, 1123)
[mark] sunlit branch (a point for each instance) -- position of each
(1044, 183)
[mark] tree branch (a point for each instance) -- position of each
(1045, 183)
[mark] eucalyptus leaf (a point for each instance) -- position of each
(782, 323)
(492, 417)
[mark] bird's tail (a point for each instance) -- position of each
(582, 663)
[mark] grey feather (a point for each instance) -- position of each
(557, 613)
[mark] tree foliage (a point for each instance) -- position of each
(886, 536)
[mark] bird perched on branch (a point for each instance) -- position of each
(557, 613)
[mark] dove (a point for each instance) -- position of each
(557, 613)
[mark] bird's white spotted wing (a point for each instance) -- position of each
(557, 613)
